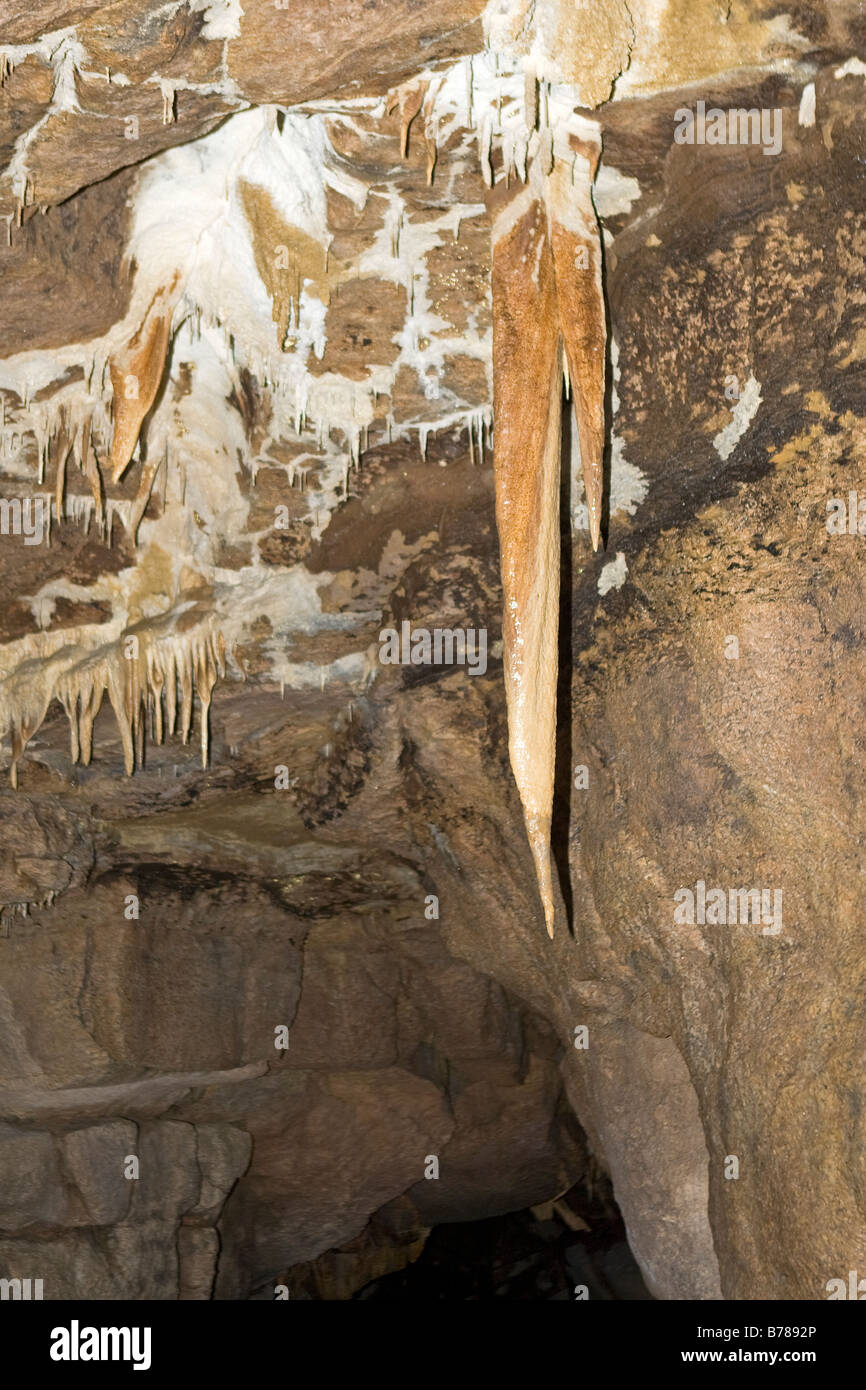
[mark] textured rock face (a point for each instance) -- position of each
(248, 377)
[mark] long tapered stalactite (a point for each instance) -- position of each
(547, 300)
(526, 444)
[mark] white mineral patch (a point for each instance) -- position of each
(485, 97)
(806, 114)
(614, 192)
(65, 55)
(199, 442)
(613, 574)
(399, 254)
(744, 413)
(854, 67)
(615, 373)
(628, 484)
(188, 220)
(289, 598)
(353, 669)
(222, 18)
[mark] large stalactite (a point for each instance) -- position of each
(527, 373)
(548, 311)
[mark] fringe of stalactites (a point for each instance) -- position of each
(72, 428)
(144, 676)
(498, 103)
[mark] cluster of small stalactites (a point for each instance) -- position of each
(75, 426)
(72, 426)
(151, 675)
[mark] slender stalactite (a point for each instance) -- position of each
(576, 245)
(547, 298)
(527, 426)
